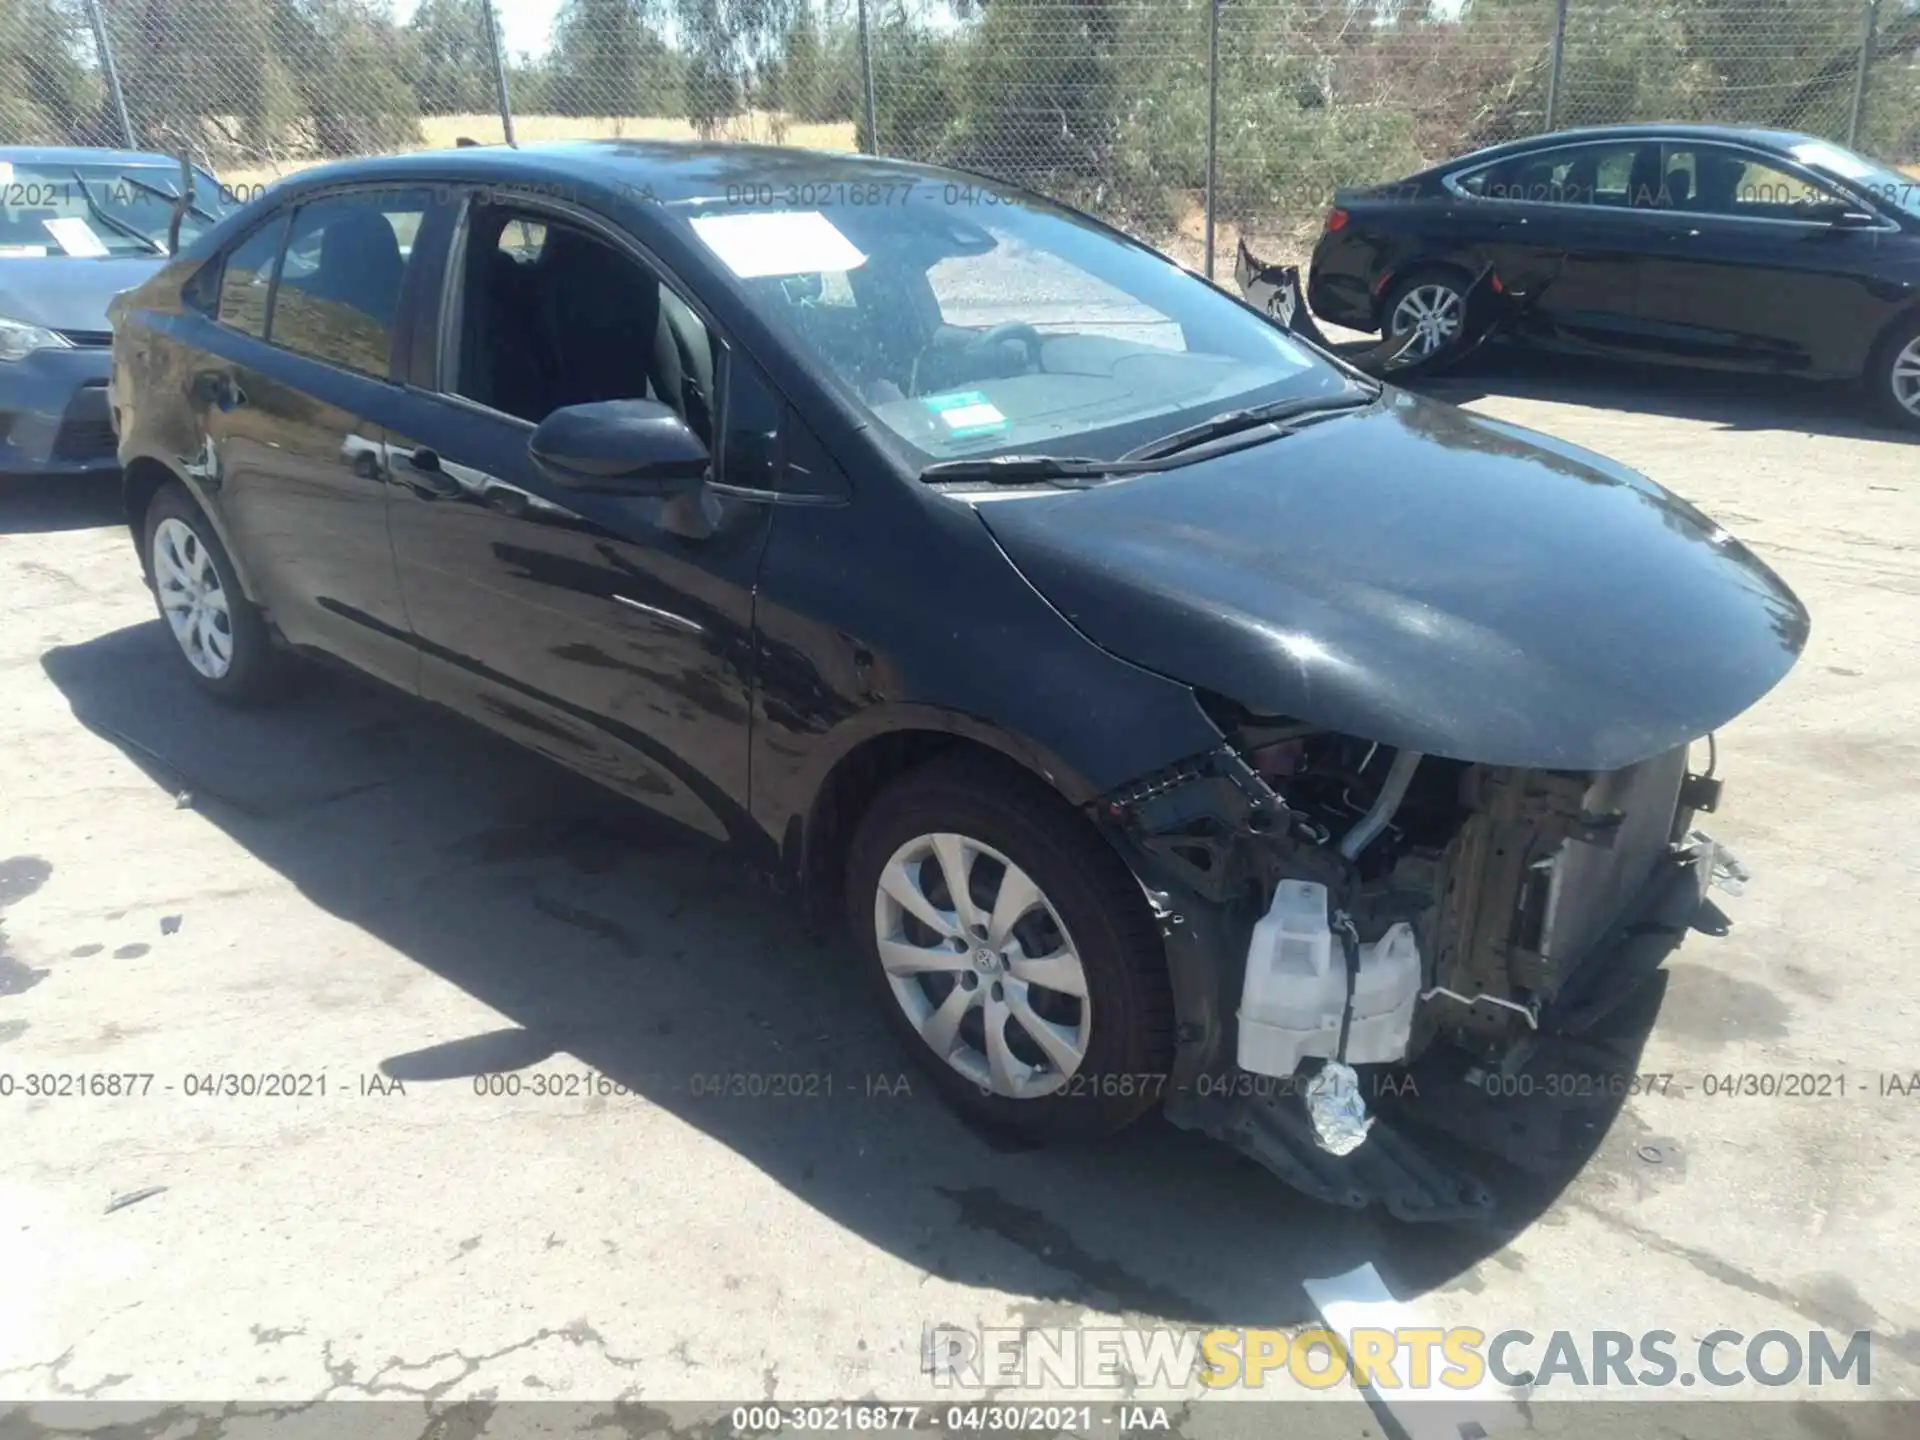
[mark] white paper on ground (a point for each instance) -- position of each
(778, 242)
(1360, 1300)
(75, 236)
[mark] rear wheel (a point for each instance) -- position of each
(217, 631)
(1893, 375)
(1432, 302)
(1012, 951)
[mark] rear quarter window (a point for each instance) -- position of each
(245, 279)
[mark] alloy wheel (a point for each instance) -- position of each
(982, 965)
(1906, 377)
(192, 597)
(1433, 310)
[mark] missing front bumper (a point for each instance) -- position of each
(1444, 1123)
(1522, 960)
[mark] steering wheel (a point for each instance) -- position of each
(993, 335)
(1010, 330)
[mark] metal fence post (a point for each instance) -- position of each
(1557, 58)
(1213, 120)
(1868, 26)
(499, 72)
(110, 70)
(866, 81)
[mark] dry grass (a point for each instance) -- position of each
(439, 132)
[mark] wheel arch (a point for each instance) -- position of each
(145, 476)
(1907, 314)
(815, 845)
(1394, 276)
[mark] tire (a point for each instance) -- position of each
(1893, 375)
(1088, 926)
(219, 635)
(1436, 286)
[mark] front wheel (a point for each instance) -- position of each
(1893, 376)
(1012, 951)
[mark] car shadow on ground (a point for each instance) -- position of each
(41, 504)
(663, 964)
(1727, 401)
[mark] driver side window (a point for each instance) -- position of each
(1707, 180)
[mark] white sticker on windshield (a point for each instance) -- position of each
(778, 242)
(21, 251)
(75, 236)
(6, 172)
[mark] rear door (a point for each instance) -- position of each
(611, 632)
(289, 398)
(1561, 228)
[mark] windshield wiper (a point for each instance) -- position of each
(1028, 469)
(1230, 422)
(166, 193)
(113, 223)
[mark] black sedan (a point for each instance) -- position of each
(1692, 244)
(1026, 602)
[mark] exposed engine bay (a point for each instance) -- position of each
(1322, 863)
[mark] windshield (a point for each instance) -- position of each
(94, 209)
(1882, 182)
(970, 322)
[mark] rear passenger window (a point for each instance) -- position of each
(1565, 175)
(247, 279)
(340, 281)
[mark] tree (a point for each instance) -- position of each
(47, 96)
(608, 59)
(450, 57)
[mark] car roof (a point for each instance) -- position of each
(81, 155)
(1759, 137)
(668, 170)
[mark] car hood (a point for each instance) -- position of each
(1422, 577)
(68, 292)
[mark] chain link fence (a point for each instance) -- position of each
(1177, 119)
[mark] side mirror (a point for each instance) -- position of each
(619, 447)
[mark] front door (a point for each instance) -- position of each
(611, 632)
(1749, 268)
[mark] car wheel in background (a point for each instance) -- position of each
(1432, 301)
(219, 634)
(1893, 375)
(1012, 950)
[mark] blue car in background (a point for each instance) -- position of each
(77, 226)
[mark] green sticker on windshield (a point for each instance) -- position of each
(966, 413)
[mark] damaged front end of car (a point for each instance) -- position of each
(1340, 915)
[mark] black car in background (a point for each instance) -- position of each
(1023, 599)
(1691, 244)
